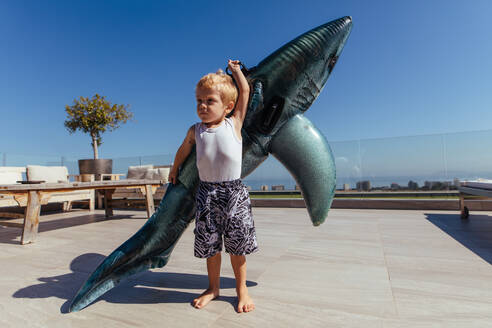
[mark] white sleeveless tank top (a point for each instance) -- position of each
(218, 152)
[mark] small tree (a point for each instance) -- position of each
(95, 116)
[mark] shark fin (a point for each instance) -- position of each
(305, 152)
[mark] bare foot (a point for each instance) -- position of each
(205, 298)
(245, 302)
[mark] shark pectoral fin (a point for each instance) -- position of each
(304, 151)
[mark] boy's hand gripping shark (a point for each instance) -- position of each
(284, 85)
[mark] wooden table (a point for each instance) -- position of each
(34, 195)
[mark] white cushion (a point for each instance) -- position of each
(10, 177)
(164, 173)
(20, 169)
(152, 174)
(157, 174)
(50, 174)
(138, 172)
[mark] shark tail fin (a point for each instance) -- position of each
(148, 248)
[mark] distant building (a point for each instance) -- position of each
(346, 186)
(297, 187)
(364, 185)
(412, 185)
(249, 188)
(278, 187)
(264, 188)
(456, 182)
(437, 185)
(395, 186)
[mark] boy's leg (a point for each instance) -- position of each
(208, 240)
(245, 302)
(240, 238)
(213, 269)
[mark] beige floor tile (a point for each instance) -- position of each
(415, 304)
(451, 322)
(271, 313)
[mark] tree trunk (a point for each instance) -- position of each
(94, 147)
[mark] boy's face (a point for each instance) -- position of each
(209, 106)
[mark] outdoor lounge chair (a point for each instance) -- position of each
(134, 198)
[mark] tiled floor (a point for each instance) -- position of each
(361, 268)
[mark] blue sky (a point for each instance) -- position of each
(408, 68)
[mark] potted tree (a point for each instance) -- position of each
(95, 116)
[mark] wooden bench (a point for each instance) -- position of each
(32, 196)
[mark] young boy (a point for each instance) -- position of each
(223, 204)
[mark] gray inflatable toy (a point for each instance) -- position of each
(284, 85)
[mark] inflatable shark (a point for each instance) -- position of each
(283, 87)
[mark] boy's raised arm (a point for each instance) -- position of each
(242, 100)
(183, 152)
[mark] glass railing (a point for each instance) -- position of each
(432, 162)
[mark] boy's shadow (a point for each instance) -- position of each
(137, 289)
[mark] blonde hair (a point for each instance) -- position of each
(220, 82)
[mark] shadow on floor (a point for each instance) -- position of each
(141, 288)
(475, 233)
(12, 236)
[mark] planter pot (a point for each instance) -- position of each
(95, 166)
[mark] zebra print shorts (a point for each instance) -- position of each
(224, 209)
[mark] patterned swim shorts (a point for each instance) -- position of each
(224, 209)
